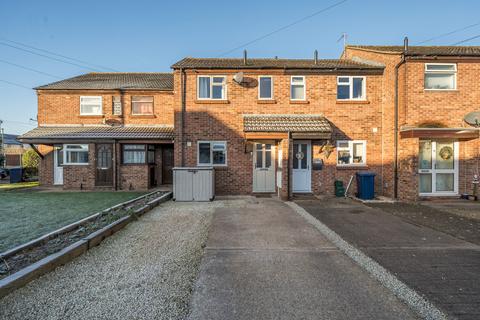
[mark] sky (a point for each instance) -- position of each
(140, 35)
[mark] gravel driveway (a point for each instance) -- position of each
(145, 271)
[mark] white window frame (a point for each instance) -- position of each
(440, 72)
(211, 153)
(65, 150)
(304, 88)
(271, 89)
(91, 114)
(224, 84)
(350, 149)
(350, 85)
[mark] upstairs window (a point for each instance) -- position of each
(117, 105)
(351, 88)
(265, 88)
(297, 88)
(91, 105)
(142, 105)
(75, 154)
(351, 152)
(440, 76)
(212, 153)
(212, 87)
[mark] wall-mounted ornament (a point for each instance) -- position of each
(327, 149)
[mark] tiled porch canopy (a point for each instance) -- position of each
(301, 126)
(51, 134)
(456, 133)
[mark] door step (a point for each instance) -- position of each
(304, 196)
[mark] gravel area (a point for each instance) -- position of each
(145, 271)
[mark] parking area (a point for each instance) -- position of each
(415, 244)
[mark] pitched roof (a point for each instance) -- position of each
(271, 63)
(11, 139)
(114, 81)
(285, 123)
(98, 132)
(467, 51)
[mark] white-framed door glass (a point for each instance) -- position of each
(302, 174)
(438, 167)
(57, 165)
(264, 168)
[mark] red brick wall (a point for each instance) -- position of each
(63, 107)
(134, 177)
(223, 121)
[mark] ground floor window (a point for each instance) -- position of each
(212, 153)
(75, 154)
(351, 152)
(133, 153)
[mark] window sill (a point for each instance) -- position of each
(149, 116)
(266, 101)
(353, 102)
(75, 164)
(93, 116)
(212, 101)
(299, 102)
(440, 90)
(352, 167)
(134, 164)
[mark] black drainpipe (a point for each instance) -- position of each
(395, 143)
(183, 80)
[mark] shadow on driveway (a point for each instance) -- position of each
(444, 269)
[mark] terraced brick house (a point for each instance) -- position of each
(281, 126)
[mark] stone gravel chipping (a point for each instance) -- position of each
(145, 271)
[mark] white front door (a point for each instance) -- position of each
(57, 165)
(263, 168)
(438, 168)
(302, 175)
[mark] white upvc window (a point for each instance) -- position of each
(75, 154)
(212, 153)
(212, 87)
(297, 88)
(265, 87)
(351, 153)
(351, 88)
(440, 76)
(90, 105)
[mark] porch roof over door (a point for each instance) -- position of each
(301, 126)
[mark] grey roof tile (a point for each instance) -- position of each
(470, 51)
(285, 123)
(114, 81)
(99, 132)
(270, 63)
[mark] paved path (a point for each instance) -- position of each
(444, 269)
(264, 261)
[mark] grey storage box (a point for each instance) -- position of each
(193, 183)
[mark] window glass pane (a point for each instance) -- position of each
(217, 91)
(358, 153)
(204, 87)
(444, 155)
(439, 81)
(357, 88)
(204, 153)
(425, 183)
(268, 158)
(259, 154)
(218, 156)
(304, 156)
(444, 182)
(265, 88)
(218, 80)
(91, 105)
(440, 67)
(425, 155)
(343, 144)
(343, 92)
(297, 92)
(343, 157)
(295, 160)
(297, 80)
(343, 79)
(142, 105)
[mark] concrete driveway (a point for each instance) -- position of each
(444, 269)
(264, 261)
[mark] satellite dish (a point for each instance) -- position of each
(238, 77)
(473, 118)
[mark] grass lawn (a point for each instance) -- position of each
(28, 214)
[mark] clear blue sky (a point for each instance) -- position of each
(151, 35)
